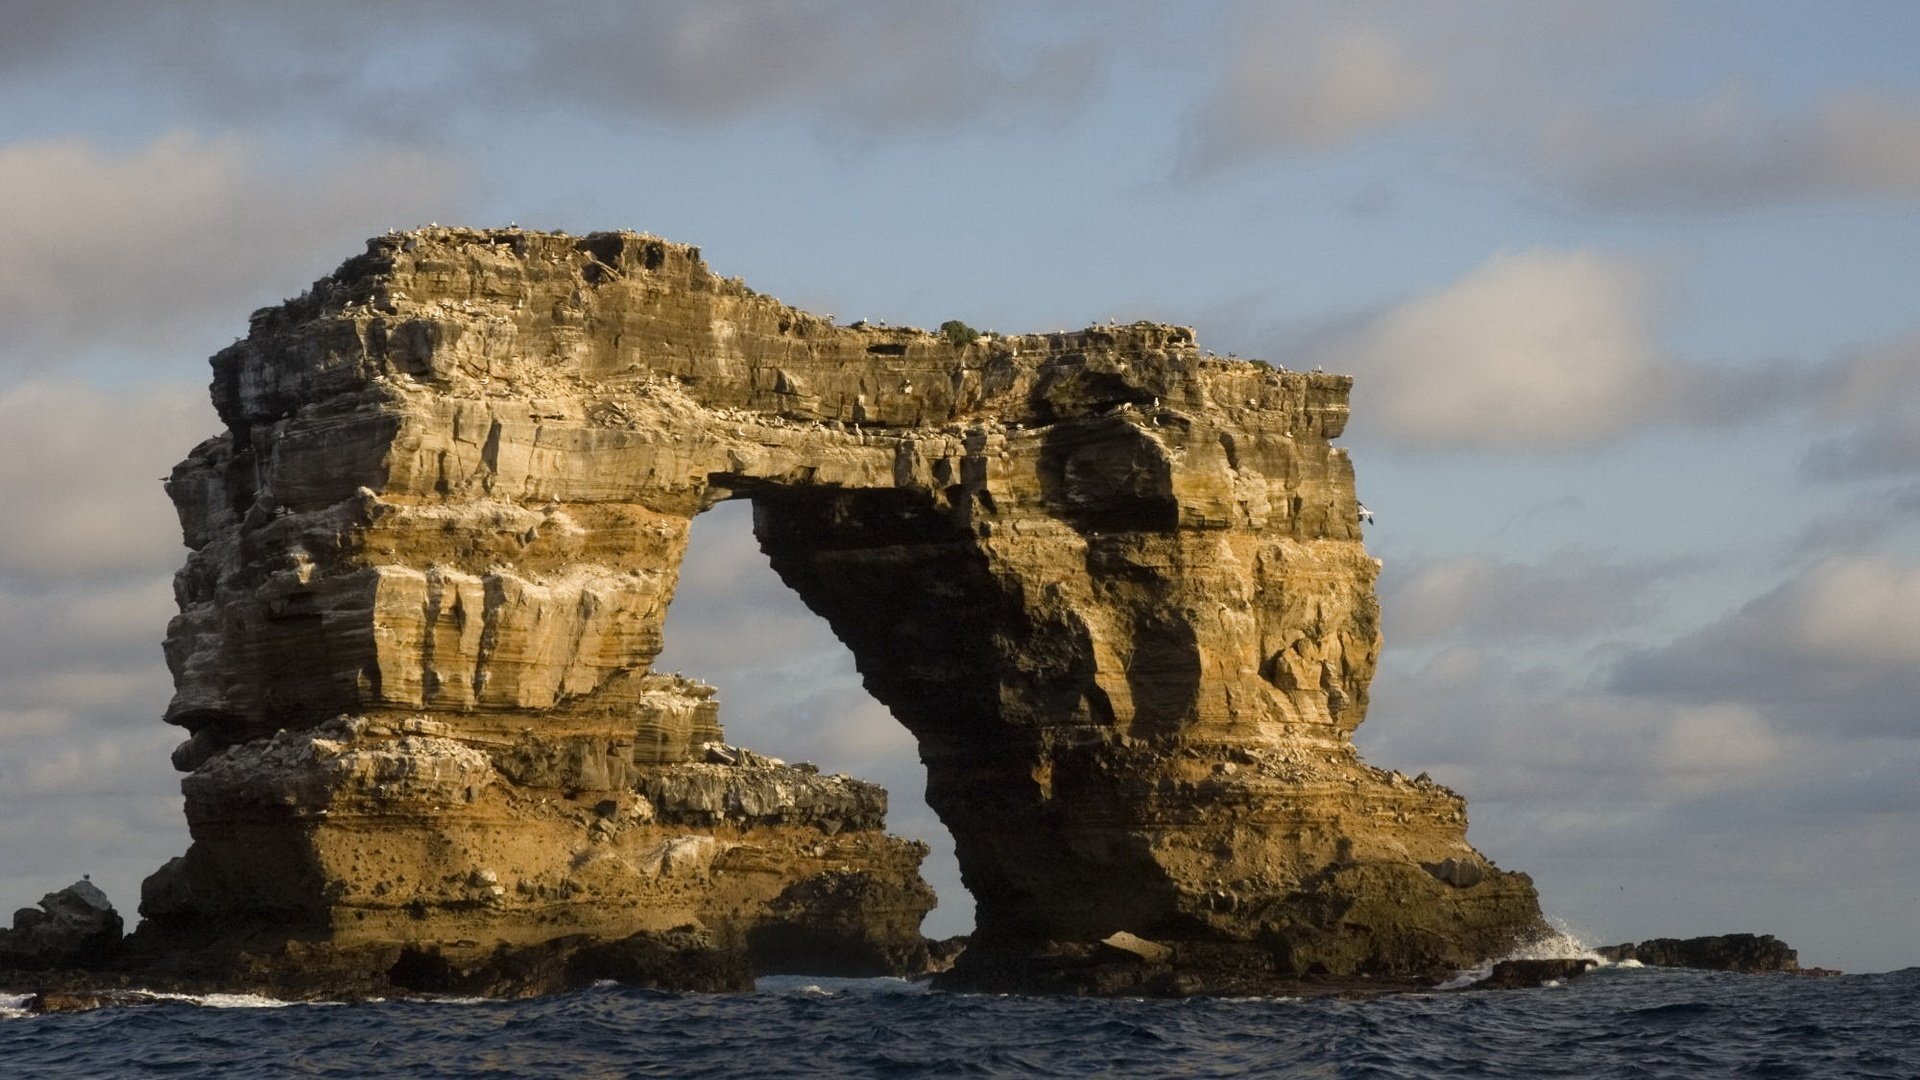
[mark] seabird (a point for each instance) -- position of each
(1366, 515)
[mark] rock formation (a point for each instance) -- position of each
(1530, 973)
(1114, 586)
(1751, 953)
(74, 927)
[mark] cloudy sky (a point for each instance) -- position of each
(1629, 288)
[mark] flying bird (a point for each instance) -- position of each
(1366, 515)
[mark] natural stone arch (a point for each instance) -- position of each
(1113, 586)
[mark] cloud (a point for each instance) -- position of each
(1834, 650)
(1640, 815)
(1874, 395)
(1570, 596)
(1281, 92)
(80, 467)
(85, 782)
(1304, 78)
(1541, 349)
(1726, 151)
(1524, 735)
(150, 248)
(87, 553)
(1535, 350)
(872, 67)
(418, 68)
(1534, 89)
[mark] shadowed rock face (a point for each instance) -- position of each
(1114, 587)
(1721, 952)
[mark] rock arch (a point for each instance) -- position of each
(1114, 587)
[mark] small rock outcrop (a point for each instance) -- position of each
(1113, 585)
(1527, 974)
(59, 1001)
(75, 927)
(1753, 953)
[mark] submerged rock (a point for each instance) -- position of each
(1113, 585)
(58, 1001)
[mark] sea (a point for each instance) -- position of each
(1616, 1021)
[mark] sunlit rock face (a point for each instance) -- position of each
(1112, 584)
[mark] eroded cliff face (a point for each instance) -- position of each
(1114, 586)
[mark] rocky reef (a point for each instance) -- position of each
(1113, 585)
(1750, 953)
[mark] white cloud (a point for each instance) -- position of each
(1714, 741)
(1834, 650)
(150, 247)
(1537, 350)
(1533, 349)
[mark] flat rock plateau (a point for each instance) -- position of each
(1113, 585)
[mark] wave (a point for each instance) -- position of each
(828, 986)
(15, 1006)
(1558, 942)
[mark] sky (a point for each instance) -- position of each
(1628, 289)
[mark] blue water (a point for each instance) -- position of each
(1613, 1023)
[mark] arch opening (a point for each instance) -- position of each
(788, 687)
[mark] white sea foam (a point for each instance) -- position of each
(1559, 942)
(13, 1005)
(236, 1001)
(824, 986)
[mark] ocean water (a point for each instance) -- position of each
(1614, 1022)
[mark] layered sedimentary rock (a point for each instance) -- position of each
(1114, 586)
